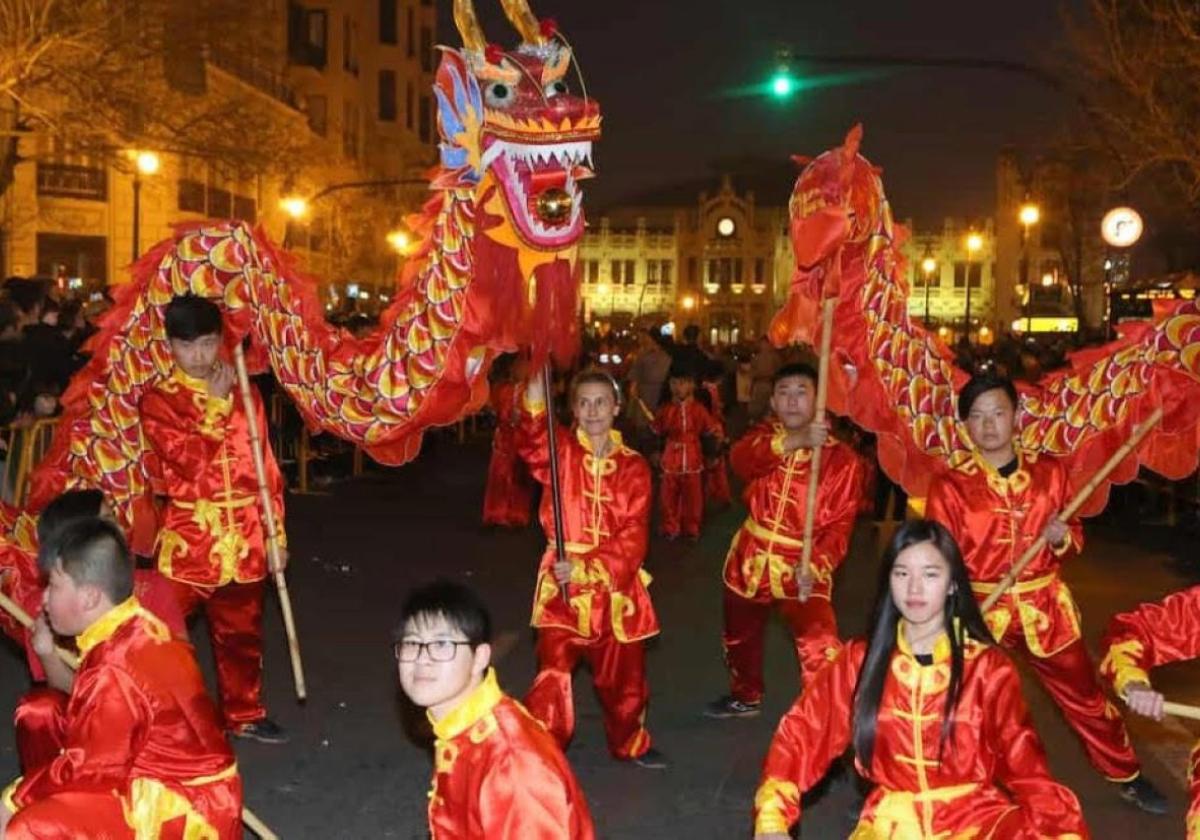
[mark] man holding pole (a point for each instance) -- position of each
(212, 544)
(998, 505)
(590, 600)
(764, 566)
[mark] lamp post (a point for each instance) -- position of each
(974, 244)
(1029, 215)
(144, 163)
(928, 266)
(1120, 228)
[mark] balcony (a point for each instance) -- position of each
(68, 180)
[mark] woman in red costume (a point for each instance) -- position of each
(509, 491)
(934, 712)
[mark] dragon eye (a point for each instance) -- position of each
(499, 95)
(555, 89)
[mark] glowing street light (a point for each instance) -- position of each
(688, 302)
(399, 240)
(974, 246)
(294, 205)
(928, 265)
(144, 163)
(974, 243)
(148, 163)
(783, 85)
(1030, 214)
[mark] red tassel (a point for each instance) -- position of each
(548, 27)
(494, 53)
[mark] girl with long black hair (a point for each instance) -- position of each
(934, 712)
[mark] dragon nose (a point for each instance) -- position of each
(574, 108)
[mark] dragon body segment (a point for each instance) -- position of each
(899, 381)
(495, 272)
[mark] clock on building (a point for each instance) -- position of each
(726, 226)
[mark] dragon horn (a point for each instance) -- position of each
(468, 26)
(852, 142)
(524, 21)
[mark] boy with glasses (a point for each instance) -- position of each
(497, 772)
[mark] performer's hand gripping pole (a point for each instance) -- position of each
(269, 523)
(814, 475)
(1074, 505)
(72, 661)
(560, 546)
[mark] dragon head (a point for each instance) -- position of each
(513, 132)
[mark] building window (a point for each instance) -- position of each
(410, 111)
(387, 22)
(651, 272)
(191, 195)
(220, 202)
(306, 36)
(593, 271)
(318, 115)
(245, 208)
(410, 34)
(962, 270)
(691, 269)
(426, 49)
(615, 270)
(760, 271)
(350, 130)
(630, 272)
(349, 45)
(426, 120)
(387, 95)
(664, 274)
(73, 256)
(69, 180)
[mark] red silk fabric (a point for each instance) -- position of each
(138, 711)
(499, 775)
(509, 491)
(924, 792)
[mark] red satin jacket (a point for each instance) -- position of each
(682, 423)
(141, 725)
(923, 791)
(1150, 635)
(994, 519)
(212, 531)
(765, 553)
(499, 775)
(606, 525)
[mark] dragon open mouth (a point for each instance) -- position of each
(540, 182)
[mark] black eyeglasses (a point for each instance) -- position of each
(439, 650)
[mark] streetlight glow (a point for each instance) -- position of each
(782, 85)
(928, 265)
(602, 289)
(1030, 214)
(147, 162)
(974, 243)
(294, 205)
(399, 240)
(689, 302)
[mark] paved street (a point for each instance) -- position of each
(353, 771)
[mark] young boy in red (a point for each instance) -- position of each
(682, 422)
(606, 613)
(762, 569)
(212, 541)
(135, 750)
(498, 774)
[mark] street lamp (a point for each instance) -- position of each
(1029, 215)
(399, 240)
(1120, 228)
(295, 206)
(144, 163)
(974, 245)
(928, 266)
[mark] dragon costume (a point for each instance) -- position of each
(494, 273)
(895, 379)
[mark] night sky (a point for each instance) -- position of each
(671, 78)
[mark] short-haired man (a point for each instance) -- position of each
(997, 504)
(763, 566)
(136, 749)
(497, 772)
(212, 541)
(606, 614)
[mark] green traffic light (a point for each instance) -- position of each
(782, 85)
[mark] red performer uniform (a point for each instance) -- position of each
(990, 780)
(135, 751)
(716, 473)
(212, 542)
(509, 490)
(1155, 634)
(764, 557)
(681, 492)
(606, 522)
(498, 775)
(25, 585)
(995, 519)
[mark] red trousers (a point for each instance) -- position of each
(234, 614)
(1069, 677)
(619, 675)
(509, 491)
(813, 627)
(682, 498)
(40, 721)
(716, 483)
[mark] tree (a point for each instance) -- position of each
(1140, 60)
(199, 78)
